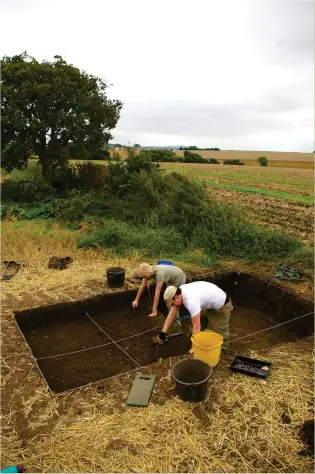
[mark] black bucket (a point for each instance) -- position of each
(115, 277)
(191, 378)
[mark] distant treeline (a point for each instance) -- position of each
(196, 148)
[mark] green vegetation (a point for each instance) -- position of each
(52, 112)
(136, 205)
(168, 156)
(262, 160)
(190, 157)
(264, 192)
(233, 162)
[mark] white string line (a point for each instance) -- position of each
(272, 327)
(91, 384)
(157, 327)
(101, 345)
(114, 341)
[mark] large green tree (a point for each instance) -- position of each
(46, 106)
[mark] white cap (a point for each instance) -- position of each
(169, 294)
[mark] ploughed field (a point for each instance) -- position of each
(277, 198)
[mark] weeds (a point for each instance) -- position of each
(233, 162)
(138, 206)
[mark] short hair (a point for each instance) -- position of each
(145, 270)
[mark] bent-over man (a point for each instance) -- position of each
(164, 274)
(199, 304)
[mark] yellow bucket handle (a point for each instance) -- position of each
(207, 348)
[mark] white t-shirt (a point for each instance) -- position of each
(202, 295)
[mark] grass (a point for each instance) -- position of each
(168, 224)
(265, 192)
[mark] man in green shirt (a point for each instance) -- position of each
(164, 275)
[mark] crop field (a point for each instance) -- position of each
(280, 198)
(276, 159)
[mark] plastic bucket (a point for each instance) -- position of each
(115, 277)
(191, 379)
(207, 347)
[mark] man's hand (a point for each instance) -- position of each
(135, 304)
(153, 314)
(161, 338)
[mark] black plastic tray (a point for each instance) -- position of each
(251, 367)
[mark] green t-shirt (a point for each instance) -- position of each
(170, 275)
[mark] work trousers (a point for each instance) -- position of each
(216, 320)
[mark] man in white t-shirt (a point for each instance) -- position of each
(194, 300)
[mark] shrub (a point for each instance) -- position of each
(21, 211)
(90, 175)
(79, 152)
(233, 162)
(190, 157)
(80, 204)
(141, 161)
(116, 156)
(101, 154)
(262, 160)
(124, 237)
(24, 191)
(213, 161)
(166, 156)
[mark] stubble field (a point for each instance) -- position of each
(278, 198)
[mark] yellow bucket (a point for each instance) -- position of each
(207, 347)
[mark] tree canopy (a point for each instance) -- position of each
(49, 106)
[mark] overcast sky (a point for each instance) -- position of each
(233, 74)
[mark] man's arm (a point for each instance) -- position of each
(170, 318)
(158, 288)
(195, 321)
(140, 291)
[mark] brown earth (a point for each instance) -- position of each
(91, 430)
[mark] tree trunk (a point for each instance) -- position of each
(45, 167)
(44, 159)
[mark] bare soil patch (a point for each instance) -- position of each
(91, 429)
(74, 343)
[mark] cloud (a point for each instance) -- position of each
(218, 73)
(281, 109)
(284, 30)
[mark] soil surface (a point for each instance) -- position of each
(77, 344)
(34, 422)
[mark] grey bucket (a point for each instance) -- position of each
(191, 378)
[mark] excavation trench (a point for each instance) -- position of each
(73, 342)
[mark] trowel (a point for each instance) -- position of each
(156, 341)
